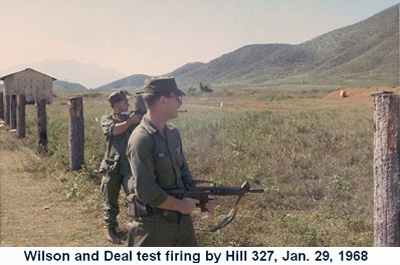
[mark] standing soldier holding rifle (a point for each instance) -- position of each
(158, 164)
(117, 127)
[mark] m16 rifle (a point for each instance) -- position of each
(203, 193)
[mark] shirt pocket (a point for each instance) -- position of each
(164, 172)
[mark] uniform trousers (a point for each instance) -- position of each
(158, 230)
(110, 187)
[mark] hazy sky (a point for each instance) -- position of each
(156, 36)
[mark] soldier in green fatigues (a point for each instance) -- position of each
(117, 127)
(157, 162)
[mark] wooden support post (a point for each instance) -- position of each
(386, 170)
(1, 106)
(7, 109)
(21, 116)
(41, 124)
(13, 111)
(76, 133)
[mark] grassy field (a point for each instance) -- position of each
(312, 156)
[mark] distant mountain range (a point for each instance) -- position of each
(363, 54)
(64, 85)
(132, 81)
(135, 81)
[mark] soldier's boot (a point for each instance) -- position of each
(113, 236)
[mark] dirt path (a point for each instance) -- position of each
(34, 211)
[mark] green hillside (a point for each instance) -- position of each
(185, 69)
(132, 81)
(60, 85)
(363, 54)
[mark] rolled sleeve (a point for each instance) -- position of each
(140, 156)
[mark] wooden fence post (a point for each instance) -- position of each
(41, 124)
(1, 106)
(76, 133)
(386, 170)
(7, 109)
(21, 116)
(13, 111)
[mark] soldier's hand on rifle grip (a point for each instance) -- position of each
(211, 204)
(136, 118)
(188, 205)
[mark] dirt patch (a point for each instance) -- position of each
(35, 212)
(358, 94)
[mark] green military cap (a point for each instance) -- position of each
(161, 84)
(116, 96)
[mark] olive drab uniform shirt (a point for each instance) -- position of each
(157, 164)
(115, 157)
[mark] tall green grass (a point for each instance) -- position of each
(315, 167)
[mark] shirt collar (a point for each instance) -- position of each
(148, 125)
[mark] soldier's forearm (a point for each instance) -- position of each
(121, 127)
(184, 206)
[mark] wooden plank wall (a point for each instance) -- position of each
(32, 84)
